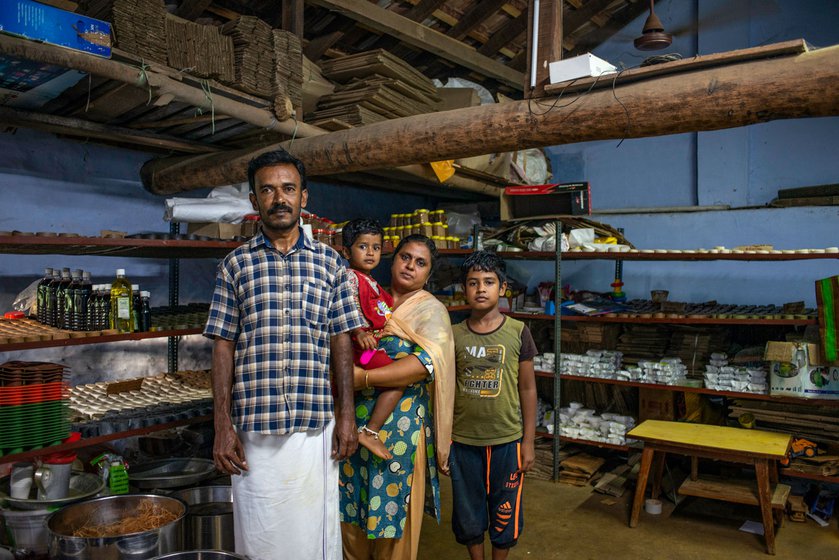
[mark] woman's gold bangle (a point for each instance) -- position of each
(366, 373)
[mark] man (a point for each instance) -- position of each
(281, 302)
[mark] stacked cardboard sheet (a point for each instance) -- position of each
(200, 50)
(139, 27)
(288, 66)
(253, 55)
(578, 470)
(374, 86)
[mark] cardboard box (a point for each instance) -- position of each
(556, 199)
(583, 66)
(31, 20)
(656, 404)
(215, 230)
(796, 370)
(458, 98)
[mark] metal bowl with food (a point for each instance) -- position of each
(127, 527)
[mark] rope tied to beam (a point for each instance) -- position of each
(144, 77)
(208, 95)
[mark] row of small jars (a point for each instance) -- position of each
(417, 217)
(442, 242)
(429, 229)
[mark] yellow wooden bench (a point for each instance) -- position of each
(754, 447)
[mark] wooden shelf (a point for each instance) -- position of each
(98, 339)
(114, 247)
(586, 442)
(28, 455)
(684, 389)
(665, 320)
(809, 476)
(600, 255)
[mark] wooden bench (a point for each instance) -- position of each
(754, 447)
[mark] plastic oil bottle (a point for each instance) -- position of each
(51, 298)
(61, 298)
(70, 300)
(42, 295)
(81, 300)
(121, 303)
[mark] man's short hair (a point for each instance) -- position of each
(277, 157)
(360, 226)
(484, 261)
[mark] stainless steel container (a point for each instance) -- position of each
(103, 511)
(202, 555)
(209, 519)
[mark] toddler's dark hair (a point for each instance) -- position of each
(484, 261)
(360, 226)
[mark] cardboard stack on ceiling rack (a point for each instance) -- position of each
(139, 27)
(253, 53)
(375, 86)
(288, 66)
(199, 50)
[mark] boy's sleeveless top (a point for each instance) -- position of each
(487, 410)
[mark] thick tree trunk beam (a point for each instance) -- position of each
(741, 94)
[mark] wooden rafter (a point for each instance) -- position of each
(474, 17)
(423, 38)
(506, 34)
(192, 9)
(707, 99)
(618, 21)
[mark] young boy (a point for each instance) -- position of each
(363, 249)
(494, 413)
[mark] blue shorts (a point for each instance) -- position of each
(487, 493)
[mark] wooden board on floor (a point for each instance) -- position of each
(735, 491)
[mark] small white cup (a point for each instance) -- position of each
(20, 482)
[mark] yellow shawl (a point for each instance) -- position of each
(423, 320)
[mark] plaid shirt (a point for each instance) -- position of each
(281, 310)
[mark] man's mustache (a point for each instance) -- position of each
(279, 208)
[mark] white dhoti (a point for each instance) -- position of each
(286, 504)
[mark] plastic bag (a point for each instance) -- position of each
(461, 225)
(27, 300)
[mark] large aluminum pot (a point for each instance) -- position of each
(209, 519)
(103, 511)
(202, 555)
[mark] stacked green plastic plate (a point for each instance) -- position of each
(33, 405)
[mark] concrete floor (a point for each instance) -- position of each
(572, 523)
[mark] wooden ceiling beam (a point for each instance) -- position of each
(548, 46)
(423, 38)
(292, 16)
(473, 18)
(721, 97)
(505, 35)
(192, 9)
(619, 20)
(423, 9)
(574, 19)
(79, 128)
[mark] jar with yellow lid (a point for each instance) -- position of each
(394, 220)
(427, 229)
(439, 230)
(422, 215)
(454, 242)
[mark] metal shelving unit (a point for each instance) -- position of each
(173, 249)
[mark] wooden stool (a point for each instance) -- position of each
(737, 445)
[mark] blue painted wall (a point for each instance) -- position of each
(742, 167)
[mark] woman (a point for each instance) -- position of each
(382, 500)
